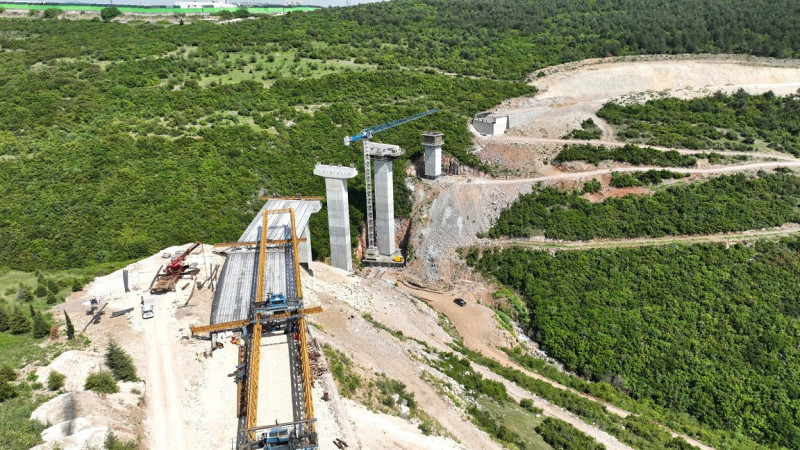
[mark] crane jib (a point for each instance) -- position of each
(368, 132)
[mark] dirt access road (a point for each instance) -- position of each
(165, 410)
(453, 210)
(573, 92)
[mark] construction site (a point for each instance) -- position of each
(239, 344)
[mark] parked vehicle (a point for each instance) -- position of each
(460, 302)
(147, 311)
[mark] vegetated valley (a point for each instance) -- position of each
(723, 204)
(117, 140)
(703, 329)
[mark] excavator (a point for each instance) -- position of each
(173, 271)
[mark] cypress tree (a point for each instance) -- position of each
(70, 328)
(120, 363)
(40, 326)
(17, 322)
(40, 291)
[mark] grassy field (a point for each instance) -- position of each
(267, 67)
(520, 421)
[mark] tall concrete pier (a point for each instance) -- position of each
(433, 154)
(384, 206)
(338, 212)
(383, 155)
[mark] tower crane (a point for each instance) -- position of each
(367, 133)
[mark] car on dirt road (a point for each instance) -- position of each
(147, 311)
(460, 302)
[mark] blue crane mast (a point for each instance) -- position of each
(366, 134)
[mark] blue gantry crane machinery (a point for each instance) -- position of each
(367, 133)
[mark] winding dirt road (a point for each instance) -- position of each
(462, 207)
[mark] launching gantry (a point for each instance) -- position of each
(278, 317)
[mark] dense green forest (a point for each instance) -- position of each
(97, 169)
(722, 122)
(120, 139)
(704, 329)
(722, 204)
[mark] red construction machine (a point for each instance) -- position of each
(173, 271)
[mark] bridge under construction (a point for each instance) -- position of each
(259, 304)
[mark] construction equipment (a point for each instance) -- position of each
(243, 323)
(367, 133)
(173, 271)
(372, 251)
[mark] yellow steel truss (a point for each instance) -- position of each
(309, 401)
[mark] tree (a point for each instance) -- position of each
(592, 186)
(52, 286)
(17, 322)
(55, 380)
(24, 293)
(70, 327)
(77, 285)
(110, 13)
(40, 326)
(51, 13)
(120, 363)
(51, 299)
(3, 319)
(40, 291)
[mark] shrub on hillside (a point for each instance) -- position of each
(120, 363)
(51, 13)
(102, 382)
(114, 443)
(55, 381)
(7, 391)
(7, 373)
(561, 435)
(110, 13)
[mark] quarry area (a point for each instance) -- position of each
(383, 320)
